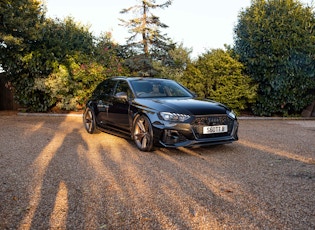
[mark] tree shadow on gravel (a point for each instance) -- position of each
(60, 199)
(22, 139)
(203, 188)
(167, 188)
(278, 183)
(75, 180)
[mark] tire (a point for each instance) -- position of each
(89, 121)
(143, 133)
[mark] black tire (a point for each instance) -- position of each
(89, 121)
(143, 133)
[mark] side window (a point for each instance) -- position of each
(105, 88)
(123, 87)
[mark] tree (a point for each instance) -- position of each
(20, 22)
(110, 55)
(146, 42)
(33, 48)
(181, 58)
(67, 54)
(275, 40)
(218, 76)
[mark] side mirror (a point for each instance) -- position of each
(121, 95)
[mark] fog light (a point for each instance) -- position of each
(170, 136)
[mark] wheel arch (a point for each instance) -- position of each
(140, 113)
(90, 105)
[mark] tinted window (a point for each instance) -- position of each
(123, 87)
(104, 88)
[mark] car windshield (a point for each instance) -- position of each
(146, 88)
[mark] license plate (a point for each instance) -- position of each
(215, 129)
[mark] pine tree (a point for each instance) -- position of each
(146, 43)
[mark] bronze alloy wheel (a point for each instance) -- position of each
(89, 121)
(143, 133)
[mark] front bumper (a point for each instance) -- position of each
(188, 135)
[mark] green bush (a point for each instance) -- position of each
(275, 41)
(69, 86)
(235, 91)
(218, 76)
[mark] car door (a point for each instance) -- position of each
(102, 99)
(118, 110)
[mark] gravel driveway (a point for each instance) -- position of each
(54, 175)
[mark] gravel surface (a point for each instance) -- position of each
(54, 175)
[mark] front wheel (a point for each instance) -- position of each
(89, 121)
(143, 133)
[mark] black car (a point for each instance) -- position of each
(160, 112)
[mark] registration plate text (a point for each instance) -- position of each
(215, 129)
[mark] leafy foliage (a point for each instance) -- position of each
(20, 22)
(68, 86)
(52, 62)
(218, 76)
(110, 55)
(175, 71)
(31, 54)
(275, 40)
(18, 32)
(72, 72)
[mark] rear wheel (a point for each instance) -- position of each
(143, 133)
(89, 121)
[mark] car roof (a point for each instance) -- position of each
(139, 78)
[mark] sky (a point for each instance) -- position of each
(198, 24)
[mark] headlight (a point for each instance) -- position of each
(167, 116)
(231, 114)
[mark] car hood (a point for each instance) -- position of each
(182, 105)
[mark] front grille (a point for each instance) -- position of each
(211, 120)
